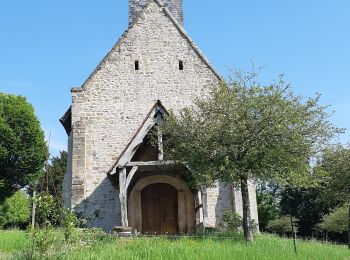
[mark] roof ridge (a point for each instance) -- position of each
(177, 25)
(182, 30)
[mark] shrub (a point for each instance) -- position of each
(282, 226)
(47, 211)
(70, 221)
(15, 211)
(42, 240)
(336, 221)
(231, 220)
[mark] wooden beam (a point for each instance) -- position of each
(160, 145)
(159, 121)
(150, 163)
(123, 197)
(138, 139)
(131, 176)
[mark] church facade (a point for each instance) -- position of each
(114, 176)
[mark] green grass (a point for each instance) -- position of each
(264, 247)
(12, 241)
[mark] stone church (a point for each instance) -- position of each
(115, 177)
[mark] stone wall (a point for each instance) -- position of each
(219, 199)
(67, 181)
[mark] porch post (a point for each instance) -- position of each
(123, 197)
(160, 138)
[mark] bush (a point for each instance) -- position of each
(70, 222)
(15, 211)
(282, 226)
(231, 220)
(42, 240)
(47, 210)
(336, 221)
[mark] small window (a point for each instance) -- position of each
(137, 65)
(181, 65)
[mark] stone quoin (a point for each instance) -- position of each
(114, 176)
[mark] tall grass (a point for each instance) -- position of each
(12, 241)
(206, 247)
(265, 247)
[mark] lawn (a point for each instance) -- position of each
(12, 243)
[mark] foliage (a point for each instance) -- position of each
(41, 236)
(335, 163)
(55, 172)
(69, 224)
(231, 220)
(268, 204)
(282, 226)
(23, 150)
(47, 211)
(42, 240)
(337, 221)
(306, 205)
(15, 211)
(242, 130)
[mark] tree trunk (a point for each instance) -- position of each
(349, 228)
(293, 232)
(247, 222)
(33, 209)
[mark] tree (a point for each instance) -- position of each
(306, 205)
(336, 163)
(15, 211)
(55, 172)
(268, 204)
(242, 130)
(282, 226)
(337, 221)
(23, 150)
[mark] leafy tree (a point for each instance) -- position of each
(15, 211)
(268, 204)
(336, 162)
(337, 221)
(306, 205)
(55, 172)
(282, 226)
(23, 150)
(242, 130)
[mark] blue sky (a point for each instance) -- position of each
(47, 47)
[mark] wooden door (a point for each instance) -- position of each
(159, 209)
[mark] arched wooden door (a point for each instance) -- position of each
(159, 209)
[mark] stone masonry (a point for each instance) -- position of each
(174, 6)
(111, 105)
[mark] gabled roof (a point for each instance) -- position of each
(139, 136)
(178, 26)
(66, 118)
